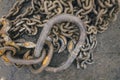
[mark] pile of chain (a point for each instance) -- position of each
(27, 17)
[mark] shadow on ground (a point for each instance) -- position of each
(106, 59)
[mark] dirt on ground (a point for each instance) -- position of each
(106, 64)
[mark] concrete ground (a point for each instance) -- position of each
(106, 59)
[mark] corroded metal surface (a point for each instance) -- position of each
(112, 60)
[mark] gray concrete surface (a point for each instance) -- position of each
(106, 59)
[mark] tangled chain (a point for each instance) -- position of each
(27, 17)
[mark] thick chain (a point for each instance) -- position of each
(27, 17)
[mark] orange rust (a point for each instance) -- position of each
(4, 22)
(45, 60)
(1, 52)
(5, 58)
(26, 44)
(11, 43)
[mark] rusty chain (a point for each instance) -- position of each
(27, 17)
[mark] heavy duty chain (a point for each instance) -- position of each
(70, 25)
